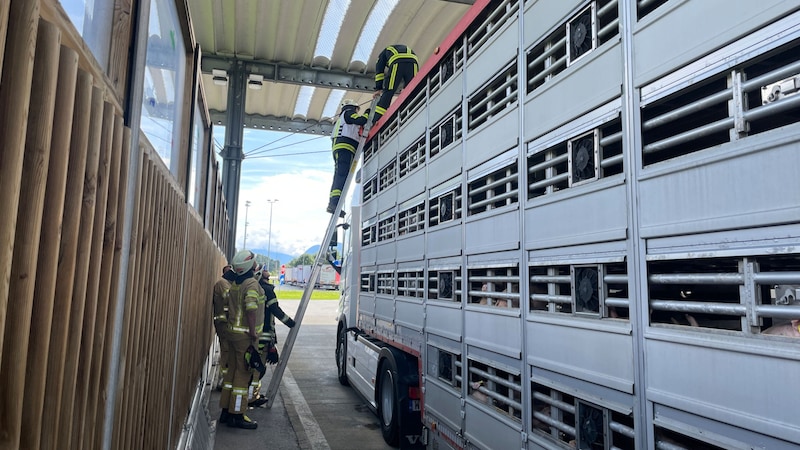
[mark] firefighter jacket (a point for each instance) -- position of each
(390, 56)
(219, 298)
(346, 128)
(271, 311)
(242, 298)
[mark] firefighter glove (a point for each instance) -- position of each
(272, 355)
(290, 322)
(253, 360)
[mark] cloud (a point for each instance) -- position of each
(300, 181)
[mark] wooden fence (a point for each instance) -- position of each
(66, 175)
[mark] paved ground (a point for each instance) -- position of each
(312, 410)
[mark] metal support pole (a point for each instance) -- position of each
(246, 209)
(232, 154)
(269, 237)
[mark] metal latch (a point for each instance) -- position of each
(780, 89)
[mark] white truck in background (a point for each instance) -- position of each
(577, 228)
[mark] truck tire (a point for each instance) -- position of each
(388, 413)
(341, 356)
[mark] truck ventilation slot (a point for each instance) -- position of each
(444, 285)
(413, 104)
(447, 131)
(411, 283)
(451, 63)
(447, 368)
(370, 149)
(672, 440)
(496, 95)
(589, 291)
(386, 227)
(388, 129)
(738, 294)
(412, 157)
(495, 190)
(723, 107)
(411, 219)
(388, 175)
(367, 282)
(385, 283)
(369, 232)
(497, 388)
(445, 207)
(576, 422)
(574, 161)
(581, 34)
(645, 7)
(494, 286)
(370, 188)
(487, 24)
(590, 28)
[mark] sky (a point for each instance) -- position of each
(294, 169)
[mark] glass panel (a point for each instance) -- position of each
(196, 158)
(164, 81)
(92, 19)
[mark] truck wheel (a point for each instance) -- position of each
(387, 403)
(341, 357)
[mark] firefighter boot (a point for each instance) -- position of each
(242, 421)
(224, 416)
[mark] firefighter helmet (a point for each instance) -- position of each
(349, 102)
(243, 261)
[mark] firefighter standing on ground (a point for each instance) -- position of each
(345, 141)
(220, 305)
(268, 341)
(245, 322)
(402, 65)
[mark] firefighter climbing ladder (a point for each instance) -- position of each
(277, 374)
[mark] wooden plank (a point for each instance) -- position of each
(26, 239)
(44, 290)
(4, 7)
(120, 43)
(66, 263)
(106, 311)
(96, 265)
(83, 256)
(15, 93)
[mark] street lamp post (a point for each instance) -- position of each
(269, 236)
(246, 207)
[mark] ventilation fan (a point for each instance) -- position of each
(446, 207)
(587, 290)
(580, 33)
(445, 284)
(591, 427)
(583, 158)
(446, 134)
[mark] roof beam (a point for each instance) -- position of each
(273, 123)
(285, 73)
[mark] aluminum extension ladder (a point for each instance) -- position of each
(277, 374)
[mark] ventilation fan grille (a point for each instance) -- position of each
(586, 290)
(583, 155)
(581, 34)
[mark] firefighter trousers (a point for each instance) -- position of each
(237, 380)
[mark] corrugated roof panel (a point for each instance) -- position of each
(372, 30)
(329, 32)
(287, 32)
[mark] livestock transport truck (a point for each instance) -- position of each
(579, 227)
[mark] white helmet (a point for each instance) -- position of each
(349, 102)
(243, 261)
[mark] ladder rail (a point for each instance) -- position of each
(320, 259)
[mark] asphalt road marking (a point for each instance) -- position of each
(312, 430)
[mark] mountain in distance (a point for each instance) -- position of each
(276, 256)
